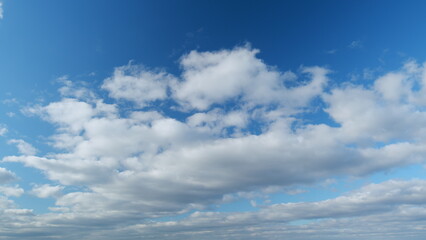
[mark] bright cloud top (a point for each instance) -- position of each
(163, 145)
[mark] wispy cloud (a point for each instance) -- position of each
(356, 44)
(3, 130)
(1, 10)
(331, 51)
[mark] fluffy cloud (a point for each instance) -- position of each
(217, 77)
(23, 147)
(6, 176)
(46, 191)
(389, 111)
(1, 10)
(233, 124)
(14, 191)
(137, 84)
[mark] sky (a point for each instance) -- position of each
(205, 120)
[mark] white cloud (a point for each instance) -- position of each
(150, 147)
(210, 78)
(3, 130)
(368, 200)
(388, 111)
(138, 165)
(23, 147)
(356, 44)
(14, 191)
(1, 10)
(10, 101)
(136, 84)
(6, 176)
(217, 77)
(46, 191)
(10, 114)
(331, 51)
(71, 114)
(73, 90)
(373, 205)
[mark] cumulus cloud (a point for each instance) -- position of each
(217, 77)
(11, 191)
(233, 124)
(46, 191)
(23, 147)
(390, 110)
(6, 176)
(137, 84)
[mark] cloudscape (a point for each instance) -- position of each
(212, 120)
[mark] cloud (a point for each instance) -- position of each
(216, 77)
(368, 200)
(14, 191)
(23, 147)
(3, 130)
(46, 191)
(6, 176)
(374, 203)
(389, 111)
(73, 90)
(1, 10)
(233, 125)
(355, 44)
(136, 84)
(332, 51)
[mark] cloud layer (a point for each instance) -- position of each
(164, 145)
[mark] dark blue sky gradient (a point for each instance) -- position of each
(98, 35)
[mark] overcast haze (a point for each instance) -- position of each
(206, 120)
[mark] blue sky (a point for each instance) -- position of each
(212, 119)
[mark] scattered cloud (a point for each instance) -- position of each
(46, 191)
(358, 214)
(374, 204)
(11, 191)
(23, 147)
(3, 130)
(1, 10)
(228, 110)
(217, 77)
(331, 51)
(355, 44)
(136, 84)
(73, 90)
(6, 176)
(10, 101)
